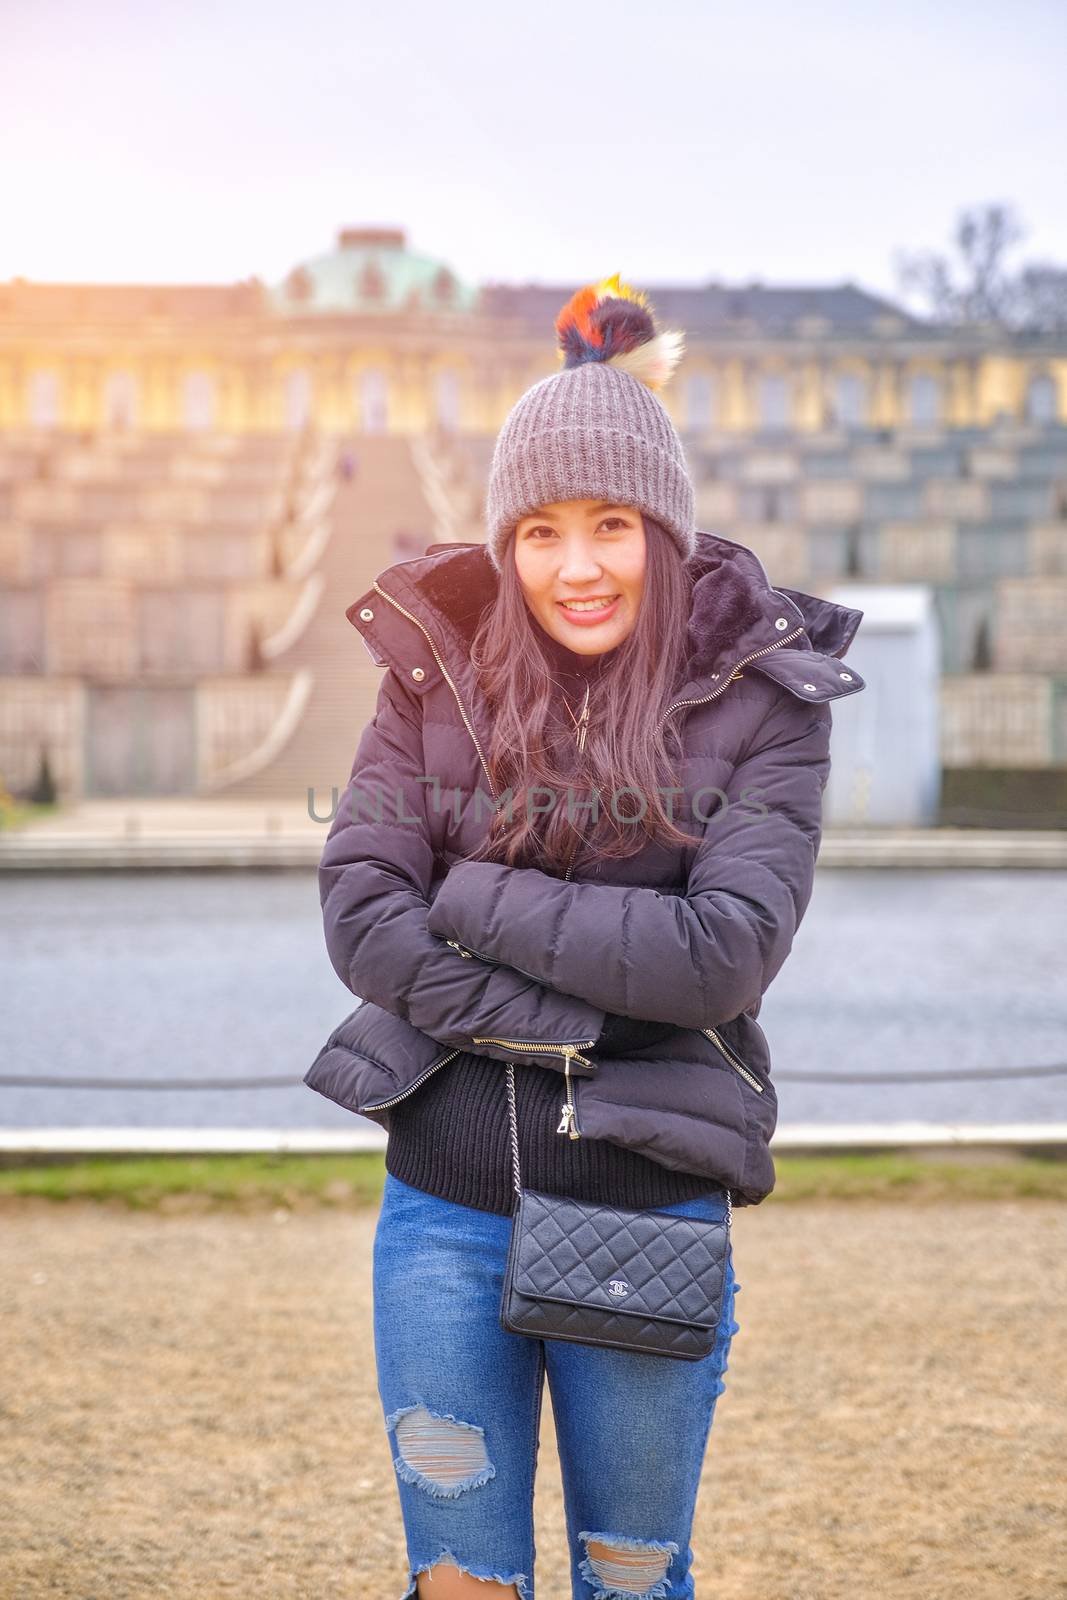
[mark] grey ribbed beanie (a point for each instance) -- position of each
(595, 431)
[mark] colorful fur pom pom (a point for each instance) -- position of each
(611, 322)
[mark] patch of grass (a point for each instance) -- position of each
(296, 1182)
(252, 1181)
(18, 813)
(935, 1175)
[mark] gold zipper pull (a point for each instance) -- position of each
(568, 1122)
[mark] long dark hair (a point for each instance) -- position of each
(627, 746)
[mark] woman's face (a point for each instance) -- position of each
(582, 550)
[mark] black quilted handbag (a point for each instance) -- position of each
(649, 1281)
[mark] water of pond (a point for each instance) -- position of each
(223, 975)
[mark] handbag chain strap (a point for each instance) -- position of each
(516, 1174)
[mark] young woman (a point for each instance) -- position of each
(579, 836)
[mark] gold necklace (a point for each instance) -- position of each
(576, 720)
(581, 719)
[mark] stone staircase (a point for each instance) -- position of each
(380, 516)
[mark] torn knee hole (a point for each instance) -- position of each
(618, 1566)
(440, 1454)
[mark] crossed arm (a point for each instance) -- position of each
(374, 889)
(695, 960)
(569, 953)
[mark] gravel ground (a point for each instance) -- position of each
(188, 1407)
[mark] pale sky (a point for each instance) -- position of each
(676, 142)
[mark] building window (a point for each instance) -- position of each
(199, 401)
(120, 400)
(849, 400)
(772, 402)
(44, 399)
(924, 400)
(371, 283)
(299, 287)
(701, 402)
(297, 399)
(446, 401)
(1041, 399)
(373, 401)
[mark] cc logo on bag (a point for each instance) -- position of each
(618, 1287)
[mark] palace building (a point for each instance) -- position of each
(374, 338)
(196, 480)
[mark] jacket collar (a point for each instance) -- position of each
(736, 621)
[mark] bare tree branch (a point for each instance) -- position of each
(975, 284)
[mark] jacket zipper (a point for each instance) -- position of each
(447, 676)
(570, 1051)
(382, 1105)
(490, 961)
(734, 1059)
(568, 1122)
(569, 1118)
(734, 670)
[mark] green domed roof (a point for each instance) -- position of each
(371, 272)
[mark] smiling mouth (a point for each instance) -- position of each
(600, 603)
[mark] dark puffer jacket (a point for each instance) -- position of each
(515, 964)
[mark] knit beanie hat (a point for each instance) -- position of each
(595, 430)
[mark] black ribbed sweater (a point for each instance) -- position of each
(451, 1138)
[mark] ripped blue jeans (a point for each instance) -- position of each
(461, 1399)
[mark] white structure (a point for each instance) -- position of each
(886, 766)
